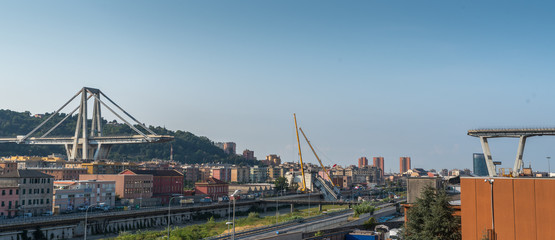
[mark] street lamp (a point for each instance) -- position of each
(277, 208)
(490, 181)
(86, 213)
(233, 195)
(228, 223)
(169, 211)
(548, 167)
(309, 203)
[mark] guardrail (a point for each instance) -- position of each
(277, 226)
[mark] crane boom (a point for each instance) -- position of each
(303, 189)
(321, 164)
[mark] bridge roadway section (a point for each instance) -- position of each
(72, 225)
(522, 133)
(332, 220)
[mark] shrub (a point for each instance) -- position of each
(363, 208)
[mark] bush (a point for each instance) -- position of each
(363, 208)
(370, 223)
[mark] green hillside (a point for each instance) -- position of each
(187, 147)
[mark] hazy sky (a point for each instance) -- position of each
(366, 78)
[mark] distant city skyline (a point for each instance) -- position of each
(365, 78)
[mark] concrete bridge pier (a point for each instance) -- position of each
(292, 208)
(320, 207)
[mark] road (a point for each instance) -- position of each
(312, 224)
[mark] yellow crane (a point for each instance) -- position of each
(321, 164)
(303, 189)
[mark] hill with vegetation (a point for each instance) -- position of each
(187, 147)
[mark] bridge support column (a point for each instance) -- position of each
(518, 161)
(292, 207)
(265, 207)
(320, 207)
(487, 156)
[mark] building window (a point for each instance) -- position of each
(11, 191)
(24, 180)
(42, 201)
(2, 203)
(23, 193)
(48, 190)
(17, 192)
(47, 201)
(3, 192)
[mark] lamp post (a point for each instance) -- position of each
(233, 195)
(490, 181)
(548, 167)
(86, 214)
(277, 208)
(309, 203)
(169, 211)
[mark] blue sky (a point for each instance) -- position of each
(366, 78)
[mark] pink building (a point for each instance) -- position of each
(128, 186)
(222, 174)
(9, 198)
(69, 195)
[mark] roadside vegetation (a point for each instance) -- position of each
(213, 228)
(362, 208)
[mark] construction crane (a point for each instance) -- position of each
(303, 189)
(321, 164)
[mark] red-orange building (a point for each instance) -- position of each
(166, 183)
(362, 162)
(523, 208)
(404, 164)
(212, 187)
(378, 162)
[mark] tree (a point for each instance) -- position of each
(38, 234)
(281, 184)
(431, 218)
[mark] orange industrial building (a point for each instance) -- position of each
(523, 208)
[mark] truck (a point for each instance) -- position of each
(188, 201)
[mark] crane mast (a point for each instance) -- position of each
(303, 189)
(322, 165)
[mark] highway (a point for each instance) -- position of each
(325, 221)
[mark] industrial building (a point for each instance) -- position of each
(522, 208)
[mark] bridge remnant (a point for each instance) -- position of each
(521, 133)
(88, 143)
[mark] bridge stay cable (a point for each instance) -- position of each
(129, 115)
(50, 117)
(88, 142)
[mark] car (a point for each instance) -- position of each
(82, 208)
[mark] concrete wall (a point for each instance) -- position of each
(417, 184)
(523, 208)
(102, 225)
